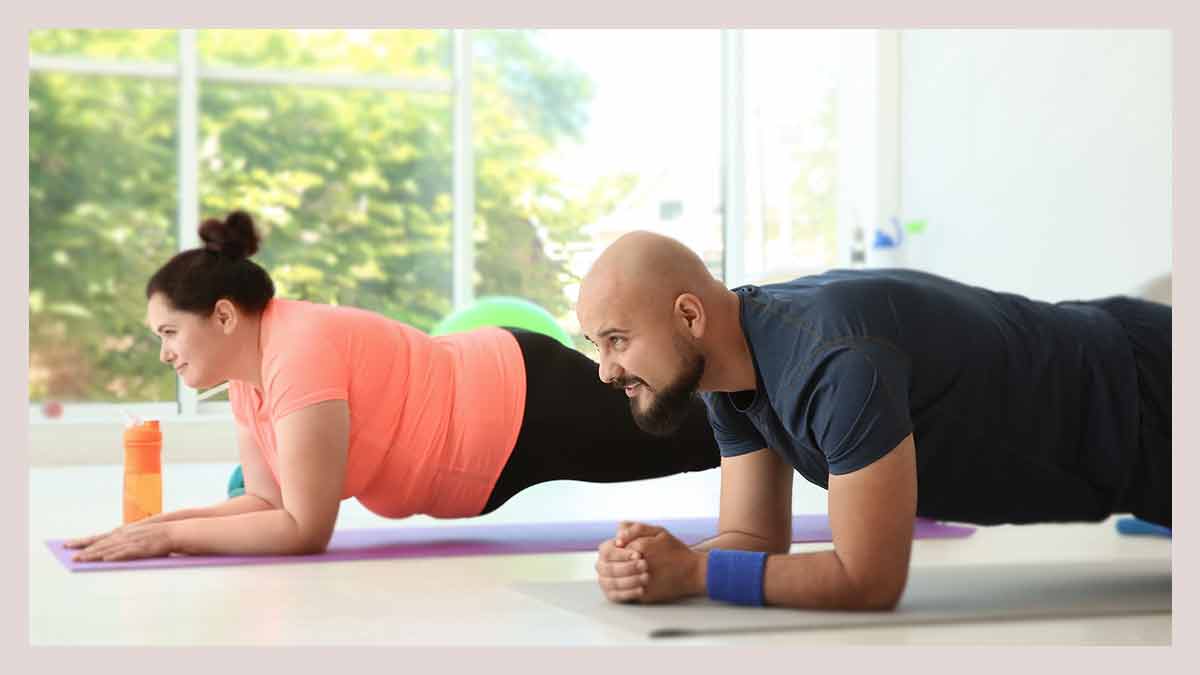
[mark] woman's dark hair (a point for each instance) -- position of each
(194, 280)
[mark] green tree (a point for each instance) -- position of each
(351, 187)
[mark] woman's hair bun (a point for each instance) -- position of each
(233, 237)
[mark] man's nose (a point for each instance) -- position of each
(609, 370)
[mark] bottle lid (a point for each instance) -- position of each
(145, 432)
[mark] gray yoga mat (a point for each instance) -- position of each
(941, 594)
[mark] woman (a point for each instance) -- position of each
(336, 402)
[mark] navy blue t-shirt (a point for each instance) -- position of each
(1021, 410)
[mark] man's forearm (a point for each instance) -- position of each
(267, 532)
(819, 581)
(741, 541)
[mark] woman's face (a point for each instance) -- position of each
(195, 346)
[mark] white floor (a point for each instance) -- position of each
(469, 600)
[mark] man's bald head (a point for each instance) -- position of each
(643, 305)
(643, 270)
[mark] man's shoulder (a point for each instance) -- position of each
(829, 292)
(837, 304)
(800, 314)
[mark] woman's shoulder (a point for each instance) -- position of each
(283, 311)
(298, 327)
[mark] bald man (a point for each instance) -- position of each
(902, 393)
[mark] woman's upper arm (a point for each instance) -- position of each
(313, 443)
(255, 473)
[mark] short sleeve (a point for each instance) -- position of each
(734, 432)
(856, 409)
(309, 370)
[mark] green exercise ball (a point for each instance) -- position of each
(237, 486)
(503, 311)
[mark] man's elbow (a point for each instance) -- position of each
(782, 545)
(880, 596)
(883, 602)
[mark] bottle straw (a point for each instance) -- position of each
(213, 392)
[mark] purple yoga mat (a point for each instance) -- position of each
(428, 542)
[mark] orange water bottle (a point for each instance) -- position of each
(143, 471)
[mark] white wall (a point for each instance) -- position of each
(1041, 159)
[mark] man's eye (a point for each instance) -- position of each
(615, 340)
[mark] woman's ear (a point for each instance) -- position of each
(227, 315)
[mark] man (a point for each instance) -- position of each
(902, 393)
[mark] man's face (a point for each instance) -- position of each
(656, 364)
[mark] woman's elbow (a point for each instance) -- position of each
(313, 542)
(311, 548)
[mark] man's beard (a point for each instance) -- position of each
(672, 404)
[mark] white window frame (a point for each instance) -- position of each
(188, 73)
(73, 437)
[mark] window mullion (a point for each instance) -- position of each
(732, 155)
(189, 190)
(463, 263)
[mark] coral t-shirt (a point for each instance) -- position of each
(433, 420)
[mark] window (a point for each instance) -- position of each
(102, 176)
(339, 142)
(371, 166)
(350, 185)
(791, 149)
(630, 126)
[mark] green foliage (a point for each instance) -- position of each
(149, 46)
(351, 187)
(101, 207)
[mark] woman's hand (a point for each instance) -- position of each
(130, 542)
(84, 542)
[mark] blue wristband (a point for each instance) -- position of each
(736, 576)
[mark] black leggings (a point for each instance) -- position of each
(1148, 327)
(575, 427)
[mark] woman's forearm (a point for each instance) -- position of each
(265, 532)
(230, 507)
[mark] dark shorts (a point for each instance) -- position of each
(1148, 327)
(575, 427)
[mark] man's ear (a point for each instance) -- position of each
(689, 311)
(227, 315)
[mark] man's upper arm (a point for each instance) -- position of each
(756, 483)
(734, 432)
(756, 497)
(855, 408)
(871, 514)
